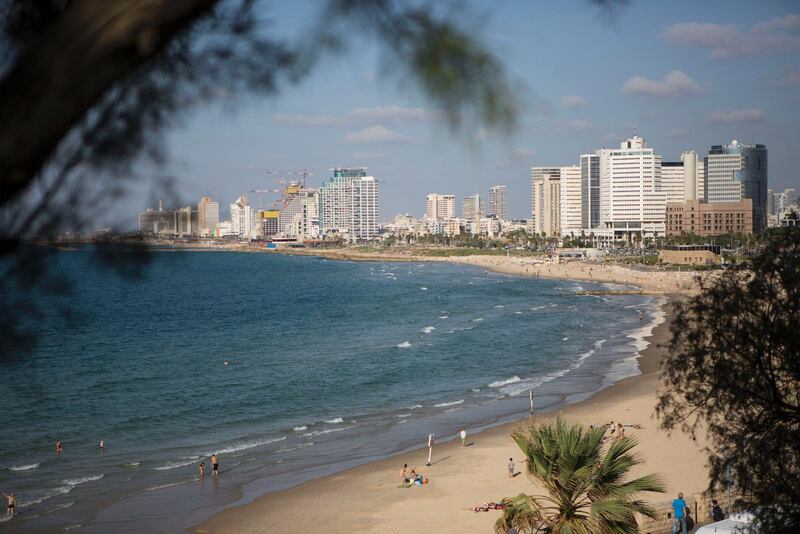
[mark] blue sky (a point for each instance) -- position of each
(686, 74)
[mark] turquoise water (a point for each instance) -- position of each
(331, 364)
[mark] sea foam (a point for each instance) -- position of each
(444, 404)
(28, 467)
(403, 345)
(513, 380)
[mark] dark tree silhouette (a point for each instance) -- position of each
(733, 372)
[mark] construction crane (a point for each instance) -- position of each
(305, 173)
(261, 196)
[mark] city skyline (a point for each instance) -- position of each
(722, 94)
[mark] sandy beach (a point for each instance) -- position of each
(367, 498)
(649, 279)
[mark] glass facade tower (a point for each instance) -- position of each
(737, 171)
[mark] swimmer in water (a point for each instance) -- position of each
(12, 504)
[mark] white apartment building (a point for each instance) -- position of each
(570, 200)
(498, 202)
(348, 204)
(546, 200)
(364, 208)
(630, 189)
(243, 219)
(440, 207)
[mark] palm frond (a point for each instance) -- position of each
(587, 490)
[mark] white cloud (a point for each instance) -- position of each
(308, 120)
(781, 34)
(572, 101)
(391, 113)
(374, 135)
(736, 115)
(675, 83)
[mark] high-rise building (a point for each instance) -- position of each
(737, 171)
(631, 197)
(177, 222)
(440, 207)
(498, 202)
(472, 208)
(207, 215)
(672, 181)
(364, 208)
(291, 206)
(268, 223)
(348, 204)
(243, 219)
(570, 201)
(683, 180)
(546, 200)
(590, 191)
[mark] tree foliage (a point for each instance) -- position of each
(733, 372)
(587, 490)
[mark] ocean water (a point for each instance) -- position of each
(330, 364)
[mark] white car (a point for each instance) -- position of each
(737, 523)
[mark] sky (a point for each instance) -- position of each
(684, 75)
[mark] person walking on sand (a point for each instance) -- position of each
(59, 447)
(679, 521)
(12, 503)
(214, 464)
(202, 469)
(463, 437)
(511, 468)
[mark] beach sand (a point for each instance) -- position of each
(652, 280)
(367, 498)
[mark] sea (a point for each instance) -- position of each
(287, 367)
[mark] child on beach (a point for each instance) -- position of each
(463, 437)
(202, 469)
(511, 468)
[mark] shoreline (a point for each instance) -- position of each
(365, 498)
(648, 280)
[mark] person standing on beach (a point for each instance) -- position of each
(511, 468)
(59, 447)
(463, 437)
(214, 464)
(202, 469)
(12, 503)
(679, 521)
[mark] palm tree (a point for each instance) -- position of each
(586, 491)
